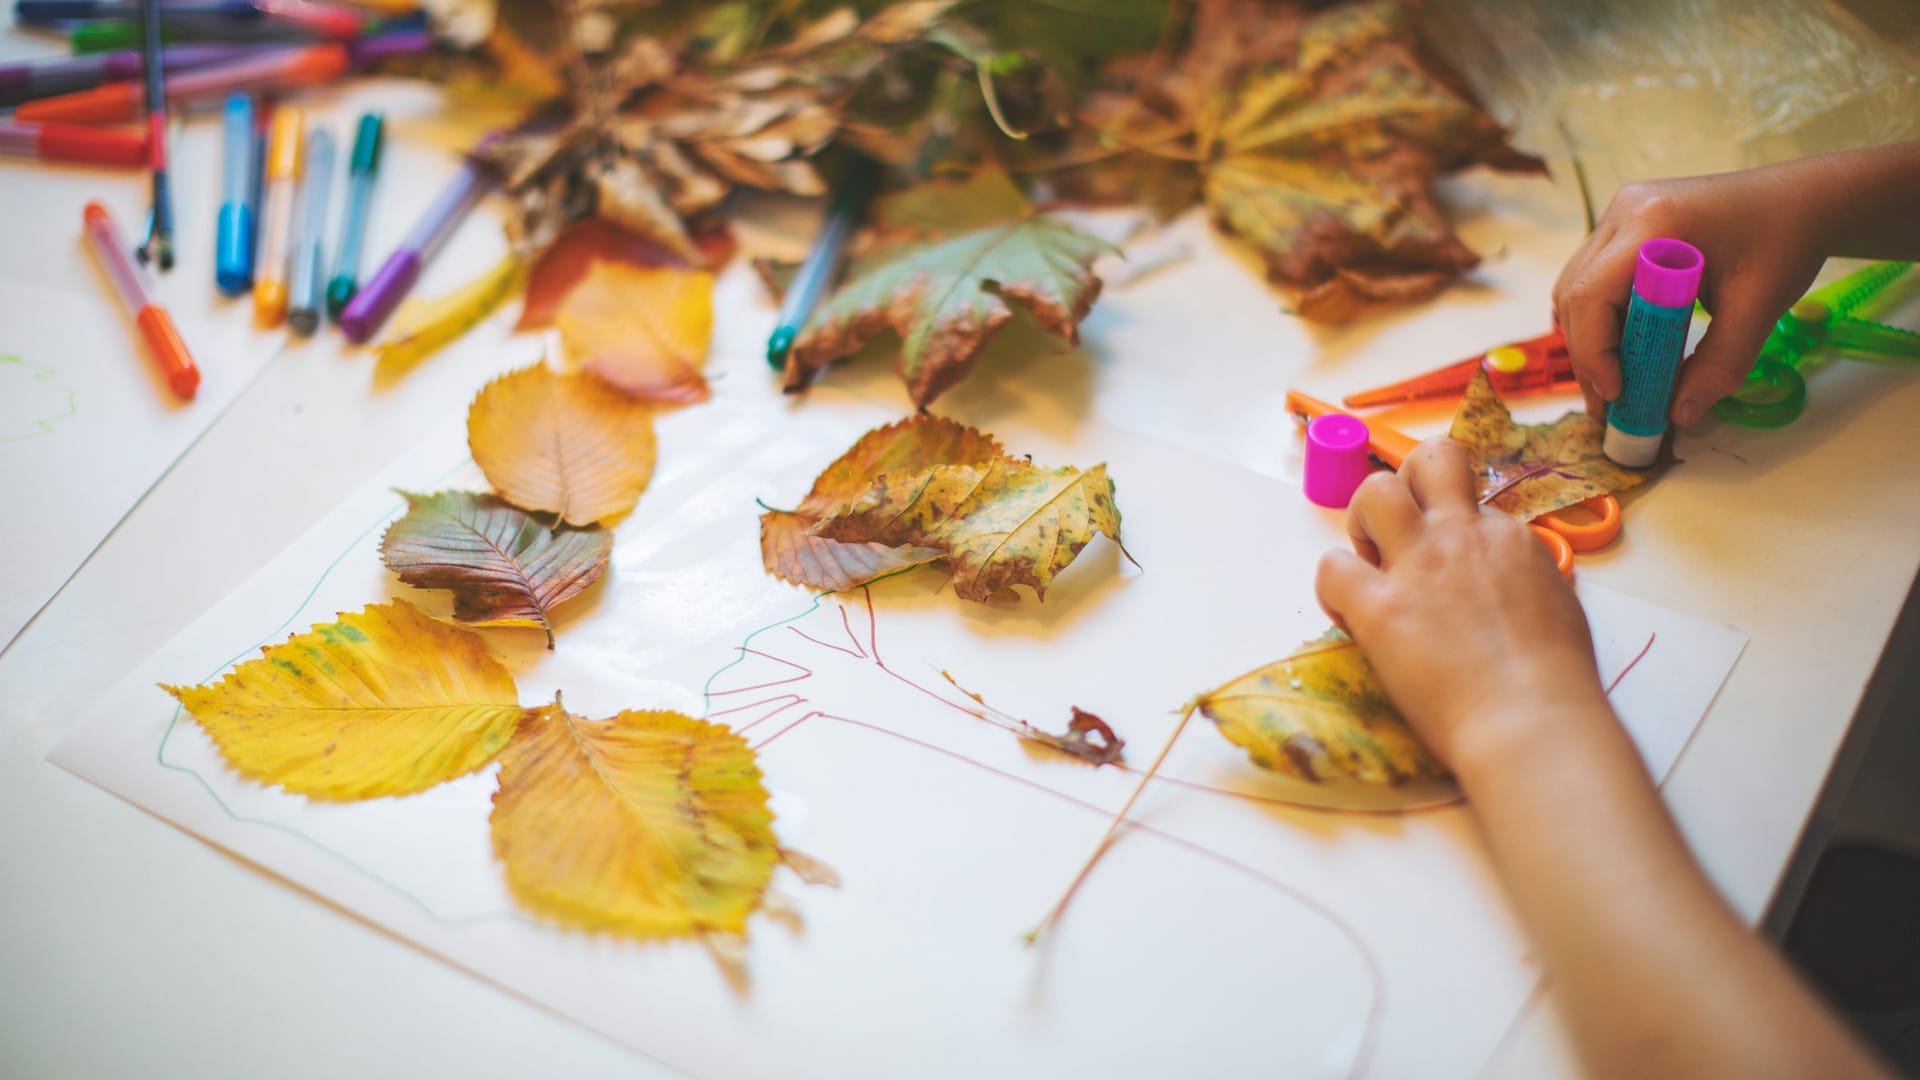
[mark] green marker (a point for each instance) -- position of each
(361, 170)
(823, 262)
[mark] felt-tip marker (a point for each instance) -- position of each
(35, 79)
(361, 170)
(307, 282)
(75, 143)
(163, 339)
(391, 283)
(284, 152)
(233, 239)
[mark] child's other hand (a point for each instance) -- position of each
(1461, 612)
(1762, 246)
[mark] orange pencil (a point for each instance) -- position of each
(156, 326)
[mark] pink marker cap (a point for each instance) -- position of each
(1667, 272)
(1336, 459)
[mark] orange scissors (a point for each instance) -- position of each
(1530, 366)
(1563, 535)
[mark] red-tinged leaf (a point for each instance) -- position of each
(1080, 741)
(595, 240)
(504, 567)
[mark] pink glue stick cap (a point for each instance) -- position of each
(1668, 273)
(1336, 459)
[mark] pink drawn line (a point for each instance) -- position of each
(1631, 664)
(1375, 976)
(805, 674)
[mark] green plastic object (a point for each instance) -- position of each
(1829, 320)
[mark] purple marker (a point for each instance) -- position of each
(31, 81)
(383, 292)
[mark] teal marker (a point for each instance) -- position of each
(361, 169)
(1666, 281)
(823, 262)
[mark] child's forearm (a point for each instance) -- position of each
(1866, 201)
(1655, 975)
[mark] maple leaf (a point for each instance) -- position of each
(423, 327)
(1526, 470)
(567, 444)
(792, 551)
(947, 297)
(504, 567)
(1078, 739)
(645, 331)
(1316, 139)
(1000, 524)
(383, 702)
(647, 825)
(1320, 714)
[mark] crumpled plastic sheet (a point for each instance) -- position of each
(1634, 89)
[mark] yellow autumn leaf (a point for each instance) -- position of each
(424, 327)
(648, 824)
(383, 702)
(1320, 714)
(643, 329)
(566, 444)
(1526, 470)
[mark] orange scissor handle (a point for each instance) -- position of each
(1586, 535)
(1388, 446)
(1558, 546)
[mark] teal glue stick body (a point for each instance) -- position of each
(1666, 280)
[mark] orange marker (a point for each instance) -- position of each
(125, 102)
(285, 157)
(163, 340)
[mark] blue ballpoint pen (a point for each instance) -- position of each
(306, 290)
(233, 245)
(361, 169)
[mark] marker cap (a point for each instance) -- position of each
(233, 258)
(1667, 272)
(1336, 459)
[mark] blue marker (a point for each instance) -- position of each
(1666, 281)
(233, 247)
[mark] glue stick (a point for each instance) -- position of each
(1666, 279)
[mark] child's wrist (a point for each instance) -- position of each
(1520, 731)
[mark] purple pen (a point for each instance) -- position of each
(33, 80)
(383, 292)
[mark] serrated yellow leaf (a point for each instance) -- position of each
(566, 444)
(1320, 714)
(1526, 470)
(385, 701)
(649, 824)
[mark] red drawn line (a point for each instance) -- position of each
(1376, 977)
(784, 730)
(794, 699)
(805, 673)
(835, 648)
(847, 625)
(1631, 664)
(750, 725)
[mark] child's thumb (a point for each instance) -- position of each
(1725, 356)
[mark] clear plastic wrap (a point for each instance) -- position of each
(1634, 89)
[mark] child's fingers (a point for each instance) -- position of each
(1343, 584)
(1725, 356)
(1591, 307)
(1440, 477)
(1382, 519)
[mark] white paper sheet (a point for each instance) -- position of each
(87, 425)
(1231, 932)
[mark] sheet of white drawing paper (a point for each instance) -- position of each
(1233, 931)
(87, 425)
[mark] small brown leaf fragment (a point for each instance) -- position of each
(1079, 739)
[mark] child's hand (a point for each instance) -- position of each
(1461, 612)
(1763, 246)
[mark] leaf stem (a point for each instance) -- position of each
(1113, 827)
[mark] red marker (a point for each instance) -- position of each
(163, 340)
(75, 142)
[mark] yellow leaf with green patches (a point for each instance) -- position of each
(385, 701)
(1320, 714)
(1526, 470)
(648, 824)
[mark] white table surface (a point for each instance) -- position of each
(130, 948)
